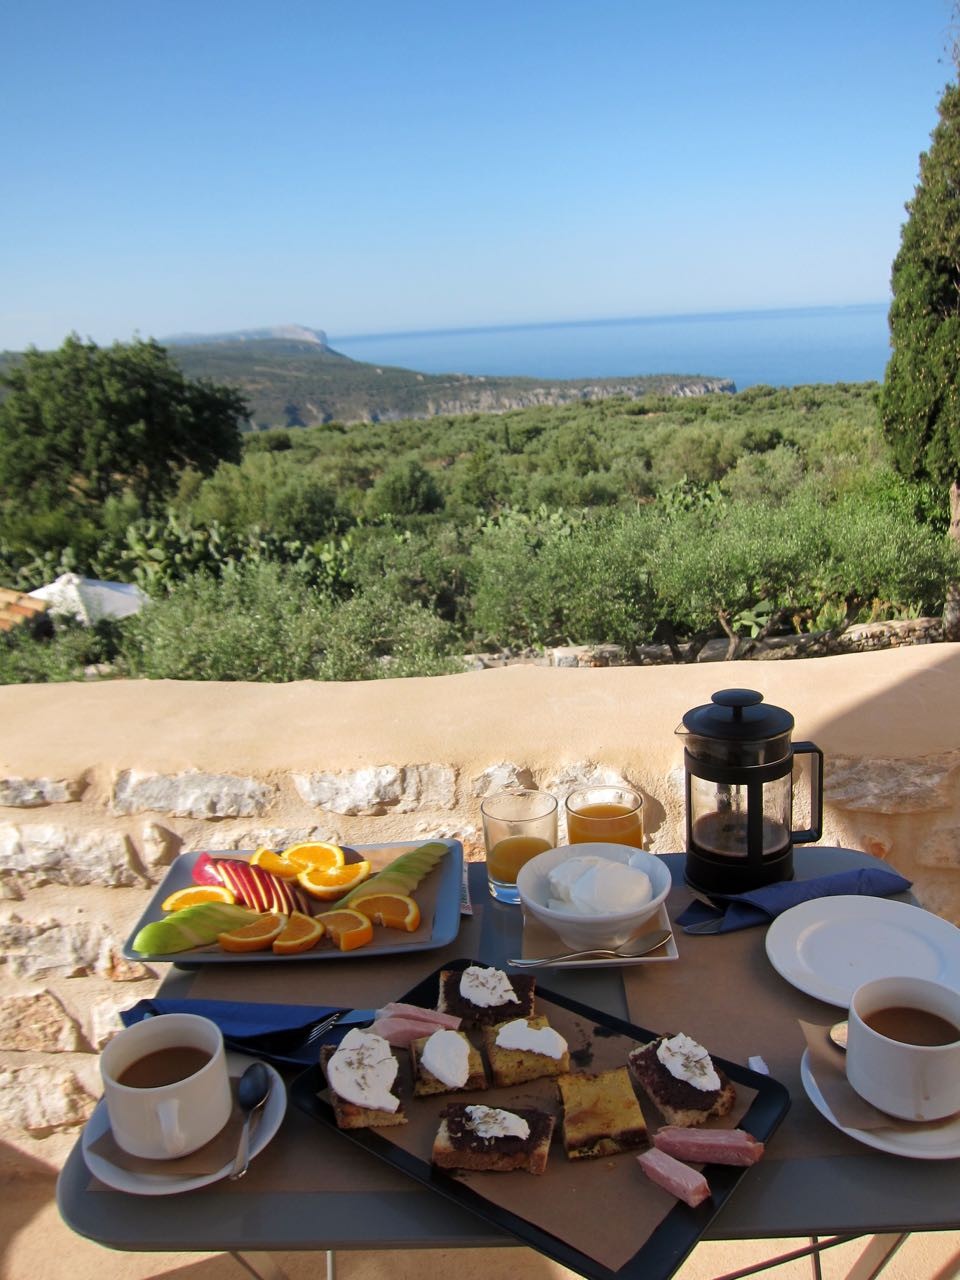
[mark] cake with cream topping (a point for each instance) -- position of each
(361, 1072)
(483, 996)
(525, 1049)
(445, 1062)
(681, 1080)
(493, 1139)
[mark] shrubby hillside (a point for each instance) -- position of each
(345, 552)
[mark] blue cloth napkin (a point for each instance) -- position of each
(243, 1023)
(760, 906)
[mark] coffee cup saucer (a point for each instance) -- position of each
(924, 1141)
(166, 1182)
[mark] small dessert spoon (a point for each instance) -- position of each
(627, 951)
(838, 1034)
(253, 1089)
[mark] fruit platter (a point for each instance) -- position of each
(312, 901)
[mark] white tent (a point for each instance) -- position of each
(88, 600)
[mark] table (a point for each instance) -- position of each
(835, 1188)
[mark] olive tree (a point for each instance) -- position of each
(83, 424)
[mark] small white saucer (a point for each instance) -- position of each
(164, 1183)
(922, 1142)
(539, 940)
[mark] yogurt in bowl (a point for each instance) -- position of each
(594, 895)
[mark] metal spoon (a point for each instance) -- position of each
(627, 951)
(253, 1090)
(838, 1034)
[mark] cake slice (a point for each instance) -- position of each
(601, 1115)
(525, 1049)
(456, 1063)
(483, 996)
(493, 1140)
(361, 1072)
(666, 1068)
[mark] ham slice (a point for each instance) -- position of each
(435, 1018)
(401, 1024)
(709, 1146)
(679, 1179)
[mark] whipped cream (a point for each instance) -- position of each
(491, 1122)
(446, 1055)
(591, 886)
(486, 988)
(519, 1034)
(362, 1071)
(689, 1061)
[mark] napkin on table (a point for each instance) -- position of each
(243, 1022)
(760, 906)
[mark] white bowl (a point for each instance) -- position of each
(580, 932)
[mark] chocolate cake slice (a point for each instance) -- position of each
(678, 1101)
(468, 1138)
(478, 1015)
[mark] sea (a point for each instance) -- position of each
(781, 348)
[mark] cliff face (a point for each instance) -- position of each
(293, 379)
(484, 396)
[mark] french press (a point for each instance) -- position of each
(738, 762)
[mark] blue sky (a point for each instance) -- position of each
(370, 166)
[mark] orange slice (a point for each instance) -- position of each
(314, 853)
(256, 936)
(395, 910)
(333, 882)
(348, 928)
(194, 894)
(300, 934)
(276, 864)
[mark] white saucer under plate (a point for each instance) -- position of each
(925, 1142)
(666, 952)
(828, 947)
(164, 1184)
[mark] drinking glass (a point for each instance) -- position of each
(517, 825)
(608, 815)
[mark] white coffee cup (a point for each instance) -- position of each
(151, 1114)
(906, 1079)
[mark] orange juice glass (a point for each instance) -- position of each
(517, 825)
(608, 815)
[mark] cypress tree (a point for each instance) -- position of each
(920, 398)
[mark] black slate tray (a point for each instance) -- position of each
(670, 1242)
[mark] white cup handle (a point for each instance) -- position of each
(168, 1114)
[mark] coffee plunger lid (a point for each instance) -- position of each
(738, 715)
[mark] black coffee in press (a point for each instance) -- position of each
(912, 1026)
(164, 1066)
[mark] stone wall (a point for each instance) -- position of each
(102, 785)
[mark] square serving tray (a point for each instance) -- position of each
(657, 1256)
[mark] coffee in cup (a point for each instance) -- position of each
(903, 1047)
(166, 1085)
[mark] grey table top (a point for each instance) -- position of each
(864, 1192)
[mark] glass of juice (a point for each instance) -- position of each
(610, 815)
(517, 825)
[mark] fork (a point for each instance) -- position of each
(296, 1038)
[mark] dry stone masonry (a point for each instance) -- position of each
(84, 842)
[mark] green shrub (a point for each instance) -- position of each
(559, 578)
(55, 652)
(256, 622)
(378, 634)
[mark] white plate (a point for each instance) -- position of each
(925, 1142)
(668, 951)
(164, 1184)
(830, 946)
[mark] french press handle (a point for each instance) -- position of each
(816, 793)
